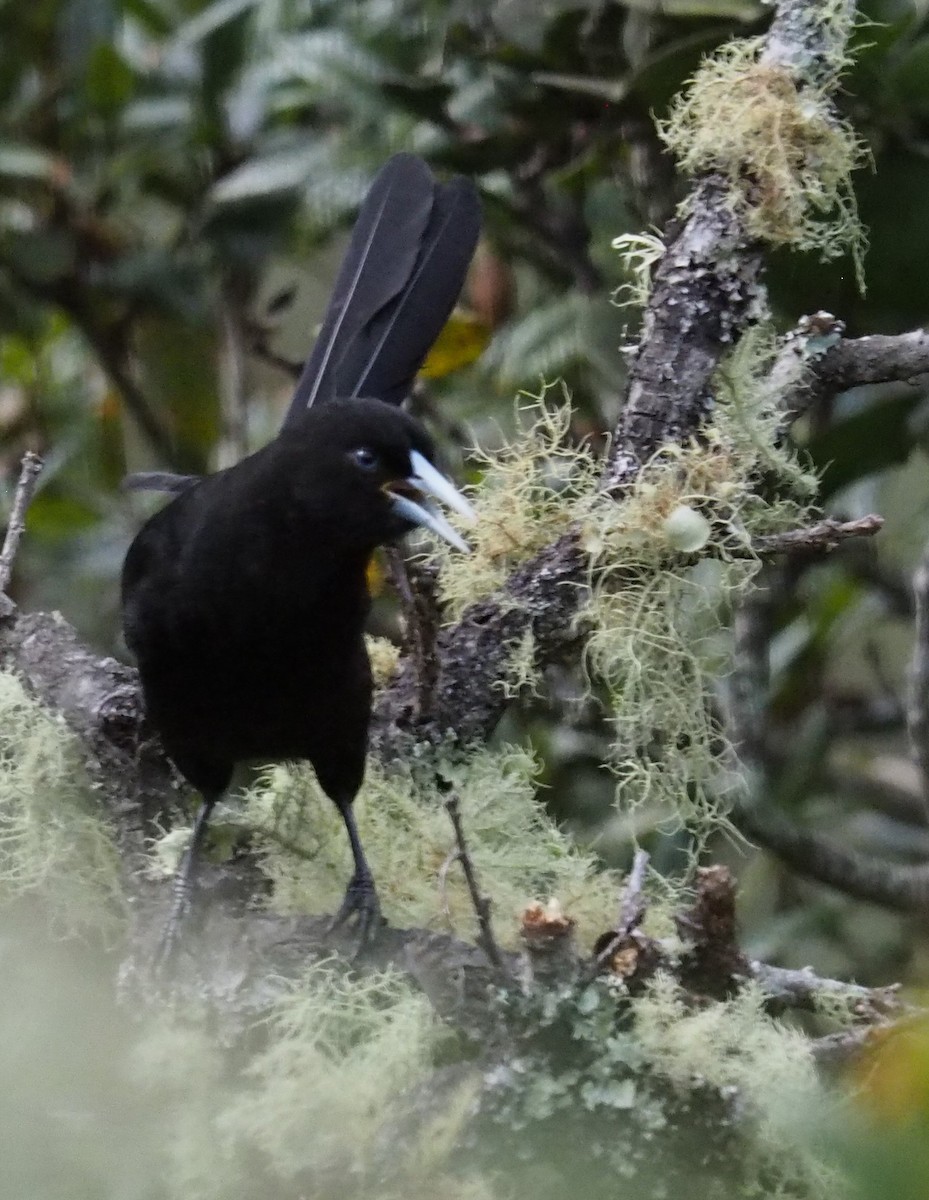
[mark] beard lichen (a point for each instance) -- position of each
(666, 565)
(527, 497)
(55, 842)
(519, 853)
(312, 1101)
(763, 1067)
(639, 254)
(785, 153)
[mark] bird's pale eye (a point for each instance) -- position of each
(365, 457)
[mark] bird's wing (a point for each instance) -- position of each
(400, 277)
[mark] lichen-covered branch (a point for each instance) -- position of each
(843, 363)
(804, 990)
(706, 291)
(820, 538)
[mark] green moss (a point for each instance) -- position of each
(55, 842)
(519, 853)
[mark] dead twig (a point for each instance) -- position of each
(16, 526)
(482, 905)
(450, 859)
(631, 912)
(917, 709)
(819, 538)
(803, 990)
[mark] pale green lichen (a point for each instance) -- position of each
(666, 564)
(764, 1067)
(787, 156)
(55, 842)
(340, 1053)
(384, 656)
(313, 1099)
(518, 851)
(526, 498)
(639, 253)
(522, 677)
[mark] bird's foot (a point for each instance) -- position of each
(173, 933)
(360, 902)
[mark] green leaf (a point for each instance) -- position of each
(159, 113)
(148, 15)
(109, 83)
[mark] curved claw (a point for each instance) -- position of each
(362, 903)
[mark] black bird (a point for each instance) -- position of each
(245, 598)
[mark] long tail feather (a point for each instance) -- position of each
(401, 275)
(394, 346)
(380, 257)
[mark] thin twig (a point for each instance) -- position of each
(16, 527)
(631, 910)
(486, 939)
(258, 345)
(632, 906)
(450, 859)
(819, 538)
(917, 709)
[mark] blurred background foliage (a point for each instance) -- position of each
(176, 180)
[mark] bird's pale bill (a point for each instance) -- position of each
(427, 481)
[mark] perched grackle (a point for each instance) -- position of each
(244, 599)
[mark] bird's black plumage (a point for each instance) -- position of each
(244, 599)
(398, 281)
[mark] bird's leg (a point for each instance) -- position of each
(183, 887)
(360, 895)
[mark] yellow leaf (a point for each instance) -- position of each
(894, 1078)
(460, 343)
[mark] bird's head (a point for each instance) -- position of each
(375, 467)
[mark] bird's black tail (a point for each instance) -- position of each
(401, 275)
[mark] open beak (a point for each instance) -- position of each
(427, 481)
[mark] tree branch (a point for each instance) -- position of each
(849, 362)
(819, 538)
(917, 711)
(16, 525)
(904, 888)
